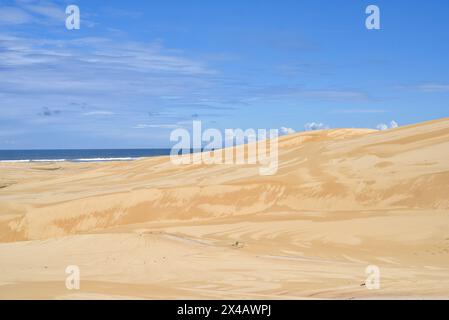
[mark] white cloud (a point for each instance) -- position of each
(286, 131)
(394, 124)
(313, 126)
(383, 126)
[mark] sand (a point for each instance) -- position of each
(341, 200)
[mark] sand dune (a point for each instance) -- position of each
(341, 200)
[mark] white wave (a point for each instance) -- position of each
(48, 160)
(71, 160)
(14, 161)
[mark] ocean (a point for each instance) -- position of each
(79, 155)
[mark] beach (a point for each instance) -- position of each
(340, 201)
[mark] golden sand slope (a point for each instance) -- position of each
(341, 200)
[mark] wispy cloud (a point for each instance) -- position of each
(359, 111)
(433, 87)
(427, 87)
(101, 86)
(46, 67)
(327, 95)
(45, 9)
(96, 52)
(32, 12)
(158, 126)
(14, 16)
(98, 113)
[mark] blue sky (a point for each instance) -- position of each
(138, 69)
